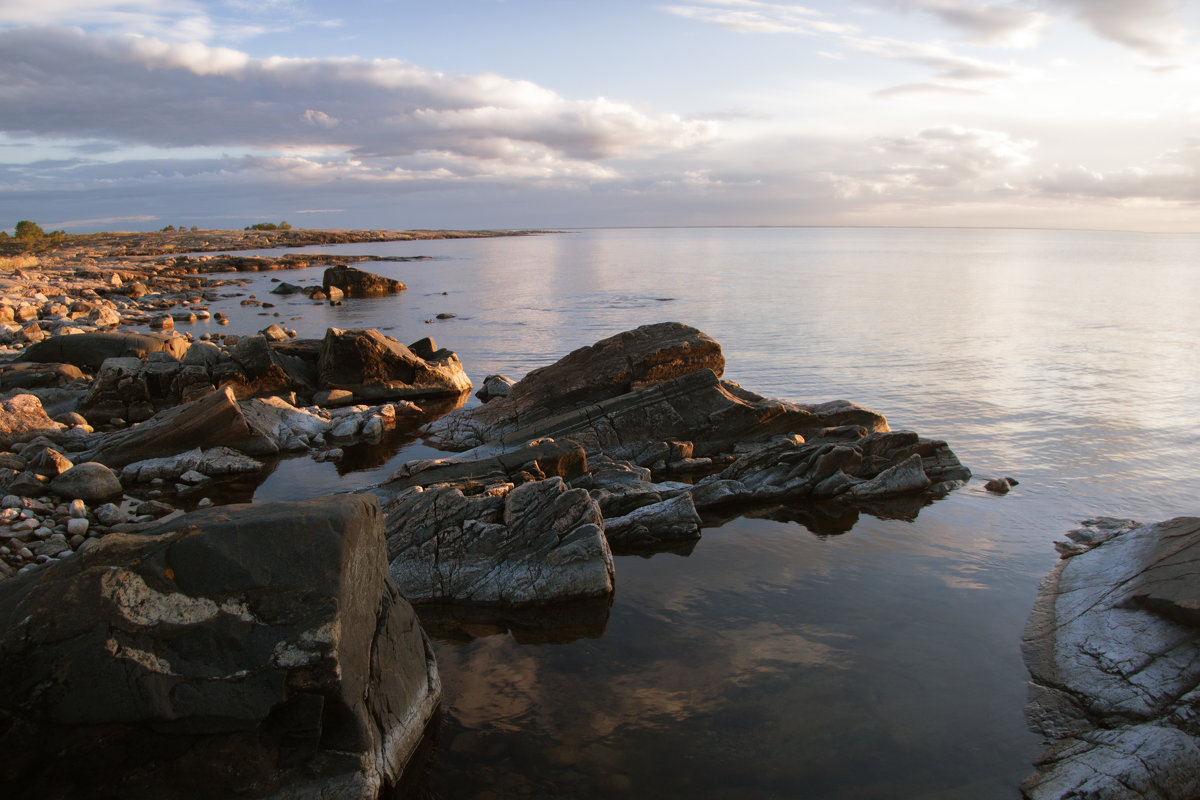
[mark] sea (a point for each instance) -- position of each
(787, 656)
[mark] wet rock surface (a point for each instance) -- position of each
(256, 651)
(1113, 649)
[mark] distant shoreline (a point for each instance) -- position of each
(159, 243)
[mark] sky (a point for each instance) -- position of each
(556, 113)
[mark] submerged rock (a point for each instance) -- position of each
(1113, 648)
(249, 651)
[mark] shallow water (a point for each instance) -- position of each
(772, 661)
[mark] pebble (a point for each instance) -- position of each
(78, 509)
(205, 503)
(77, 526)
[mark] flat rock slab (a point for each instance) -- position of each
(1113, 648)
(249, 651)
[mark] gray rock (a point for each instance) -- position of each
(655, 526)
(90, 481)
(240, 651)
(541, 543)
(1113, 648)
(494, 386)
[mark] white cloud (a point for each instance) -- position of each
(934, 161)
(1173, 177)
(1150, 27)
(60, 83)
(1000, 24)
(752, 16)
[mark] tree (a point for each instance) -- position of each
(284, 226)
(168, 229)
(29, 231)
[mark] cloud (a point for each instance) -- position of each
(986, 22)
(1004, 25)
(174, 20)
(1149, 27)
(944, 63)
(1172, 177)
(935, 160)
(751, 16)
(347, 114)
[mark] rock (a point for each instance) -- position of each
(652, 383)
(278, 420)
(907, 477)
(274, 333)
(334, 398)
(89, 350)
(47, 461)
(494, 386)
(256, 651)
(1113, 648)
(540, 543)
(22, 418)
(214, 420)
(998, 485)
(654, 526)
(536, 461)
(37, 376)
(77, 526)
(287, 288)
(375, 368)
(90, 481)
(162, 322)
(259, 369)
(355, 282)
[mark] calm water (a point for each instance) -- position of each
(772, 661)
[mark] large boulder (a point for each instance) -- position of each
(90, 482)
(354, 282)
(89, 350)
(377, 367)
(534, 544)
(248, 651)
(1113, 648)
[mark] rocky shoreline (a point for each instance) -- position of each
(280, 639)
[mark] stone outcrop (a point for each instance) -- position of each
(376, 367)
(354, 282)
(534, 544)
(1113, 648)
(249, 651)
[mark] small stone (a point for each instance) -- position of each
(77, 526)
(205, 503)
(998, 485)
(78, 509)
(76, 541)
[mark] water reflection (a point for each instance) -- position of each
(560, 623)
